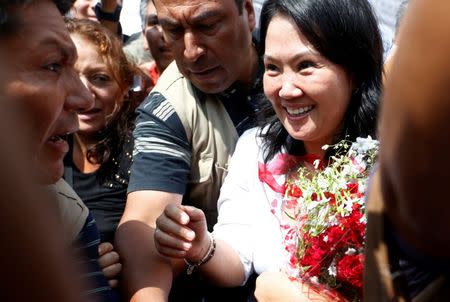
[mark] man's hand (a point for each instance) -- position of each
(109, 262)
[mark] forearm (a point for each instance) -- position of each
(225, 267)
(146, 275)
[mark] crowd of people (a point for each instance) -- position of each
(159, 173)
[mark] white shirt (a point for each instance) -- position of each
(245, 220)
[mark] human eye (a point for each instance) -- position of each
(173, 32)
(271, 68)
(53, 67)
(100, 78)
(306, 64)
(208, 27)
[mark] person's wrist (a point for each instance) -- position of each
(206, 243)
(108, 13)
(191, 265)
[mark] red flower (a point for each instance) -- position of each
(331, 197)
(294, 191)
(350, 270)
(353, 187)
(355, 229)
(335, 236)
(315, 255)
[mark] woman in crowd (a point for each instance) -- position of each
(323, 84)
(97, 165)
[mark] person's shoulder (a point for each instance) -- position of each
(73, 211)
(169, 76)
(251, 137)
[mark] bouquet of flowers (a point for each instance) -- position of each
(328, 207)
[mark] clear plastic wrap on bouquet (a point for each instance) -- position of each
(326, 206)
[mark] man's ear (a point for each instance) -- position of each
(250, 12)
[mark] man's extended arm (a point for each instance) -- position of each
(147, 275)
(161, 163)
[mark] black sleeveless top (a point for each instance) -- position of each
(105, 198)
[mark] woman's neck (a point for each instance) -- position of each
(315, 148)
(81, 145)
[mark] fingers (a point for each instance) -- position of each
(174, 222)
(108, 258)
(109, 261)
(195, 215)
(111, 272)
(113, 283)
(104, 248)
(177, 231)
(171, 246)
(172, 237)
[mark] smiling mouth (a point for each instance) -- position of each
(299, 111)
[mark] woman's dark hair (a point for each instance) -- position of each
(112, 139)
(347, 34)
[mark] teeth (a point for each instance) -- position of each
(299, 110)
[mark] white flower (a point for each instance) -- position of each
(363, 219)
(316, 163)
(348, 205)
(325, 239)
(332, 270)
(325, 147)
(362, 145)
(328, 171)
(350, 252)
(322, 182)
(333, 220)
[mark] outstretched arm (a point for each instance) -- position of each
(147, 275)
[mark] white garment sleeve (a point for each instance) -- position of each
(236, 201)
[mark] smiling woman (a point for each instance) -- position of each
(322, 85)
(98, 162)
(308, 92)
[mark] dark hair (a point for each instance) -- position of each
(117, 132)
(144, 7)
(239, 5)
(347, 34)
(10, 21)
